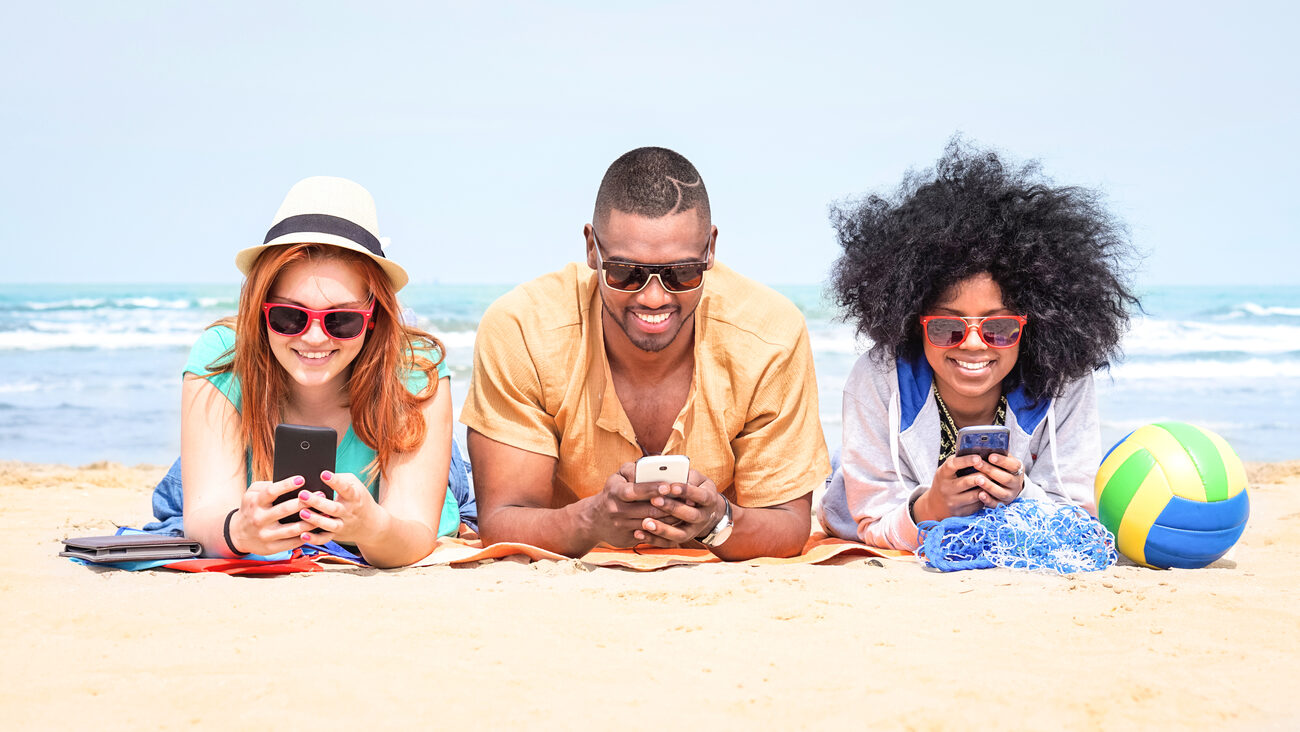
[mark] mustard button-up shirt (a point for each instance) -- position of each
(750, 423)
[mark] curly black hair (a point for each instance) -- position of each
(1060, 258)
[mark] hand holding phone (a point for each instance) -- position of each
(305, 451)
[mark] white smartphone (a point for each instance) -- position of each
(663, 469)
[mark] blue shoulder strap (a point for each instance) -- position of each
(1029, 414)
(915, 378)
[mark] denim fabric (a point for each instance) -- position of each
(168, 496)
(167, 504)
(836, 517)
(460, 481)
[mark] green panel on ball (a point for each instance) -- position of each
(1122, 486)
(1205, 455)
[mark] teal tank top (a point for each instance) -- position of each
(352, 455)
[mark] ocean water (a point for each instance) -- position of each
(92, 372)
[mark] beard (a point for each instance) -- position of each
(648, 342)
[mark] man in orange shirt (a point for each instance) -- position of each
(649, 348)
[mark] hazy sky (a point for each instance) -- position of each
(148, 141)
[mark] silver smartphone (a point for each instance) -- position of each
(663, 469)
(982, 440)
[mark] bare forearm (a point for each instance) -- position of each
(398, 542)
(776, 531)
(564, 530)
(205, 524)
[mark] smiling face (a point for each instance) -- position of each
(312, 358)
(653, 318)
(970, 374)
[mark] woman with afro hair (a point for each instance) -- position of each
(991, 296)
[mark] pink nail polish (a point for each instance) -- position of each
(305, 537)
(326, 476)
(298, 480)
(305, 513)
(303, 495)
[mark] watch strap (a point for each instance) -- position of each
(721, 531)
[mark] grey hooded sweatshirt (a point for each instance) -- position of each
(891, 449)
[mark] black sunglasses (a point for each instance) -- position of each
(634, 276)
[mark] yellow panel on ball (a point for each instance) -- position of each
(1180, 472)
(1151, 498)
(1231, 463)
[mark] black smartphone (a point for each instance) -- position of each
(305, 451)
(982, 440)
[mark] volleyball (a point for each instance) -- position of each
(1173, 494)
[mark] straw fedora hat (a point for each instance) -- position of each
(333, 211)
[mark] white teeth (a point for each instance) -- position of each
(973, 365)
(321, 354)
(653, 319)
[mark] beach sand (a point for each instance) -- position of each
(868, 643)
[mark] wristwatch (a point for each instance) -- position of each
(720, 531)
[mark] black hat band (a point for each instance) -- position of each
(326, 224)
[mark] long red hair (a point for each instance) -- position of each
(385, 414)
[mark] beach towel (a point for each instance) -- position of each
(468, 550)
(819, 549)
(302, 559)
(168, 496)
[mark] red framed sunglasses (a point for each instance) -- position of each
(341, 324)
(949, 331)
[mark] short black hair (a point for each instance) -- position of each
(1059, 257)
(652, 182)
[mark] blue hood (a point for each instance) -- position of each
(915, 378)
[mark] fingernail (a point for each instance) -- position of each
(639, 536)
(322, 495)
(657, 501)
(650, 524)
(305, 513)
(305, 537)
(298, 480)
(326, 476)
(303, 495)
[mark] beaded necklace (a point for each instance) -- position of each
(948, 426)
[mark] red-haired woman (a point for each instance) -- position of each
(319, 340)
